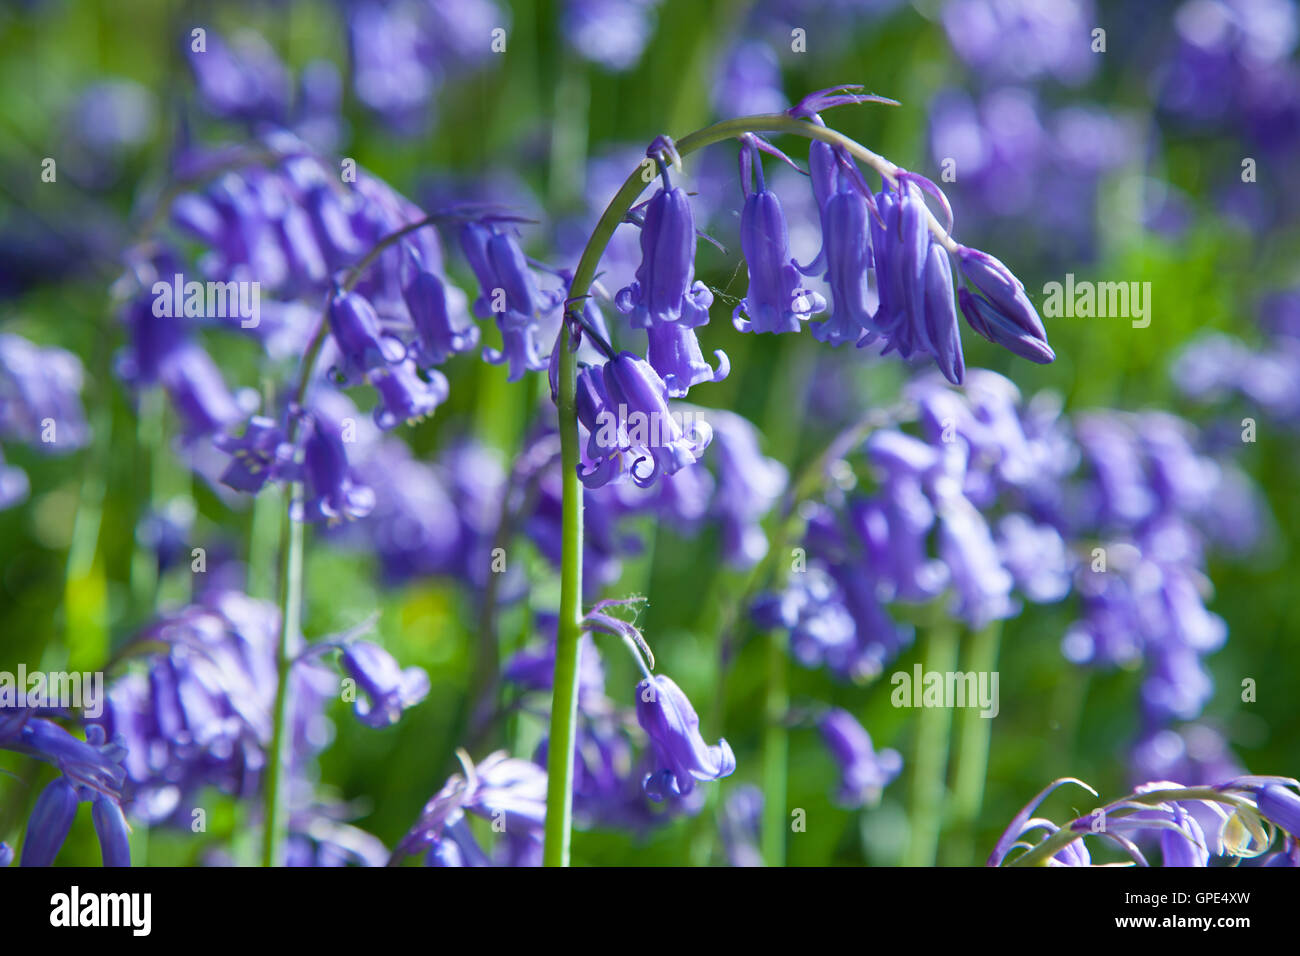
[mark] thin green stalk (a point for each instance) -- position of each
(559, 796)
(930, 757)
(972, 755)
(290, 622)
(291, 559)
(776, 751)
(564, 702)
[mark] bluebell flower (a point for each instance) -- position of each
(1281, 805)
(666, 715)
(846, 253)
(864, 772)
(359, 336)
(510, 294)
(92, 766)
(332, 492)
(406, 396)
(638, 422)
(508, 791)
(673, 350)
(39, 385)
(386, 689)
(916, 311)
(749, 485)
(775, 301)
(610, 33)
(112, 830)
(197, 390)
(49, 823)
(1185, 845)
(1001, 312)
(244, 81)
(6, 854)
(439, 335)
(665, 289)
(258, 455)
(199, 716)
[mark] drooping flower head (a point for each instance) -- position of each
(864, 771)
(775, 301)
(1001, 312)
(666, 299)
(666, 715)
(386, 688)
(634, 427)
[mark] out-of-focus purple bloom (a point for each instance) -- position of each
(1037, 557)
(1023, 39)
(406, 396)
(981, 583)
(749, 81)
(666, 715)
(748, 486)
(387, 688)
(508, 791)
(611, 33)
(742, 815)
(243, 80)
(864, 772)
(259, 454)
(40, 396)
(439, 332)
(200, 716)
(14, 485)
(534, 669)
(197, 390)
(332, 492)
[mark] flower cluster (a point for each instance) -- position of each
(1190, 827)
(505, 790)
(199, 715)
(40, 406)
(90, 771)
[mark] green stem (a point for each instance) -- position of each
(291, 558)
(290, 620)
(972, 756)
(564, 702)
(776, 751)
(930, 759)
